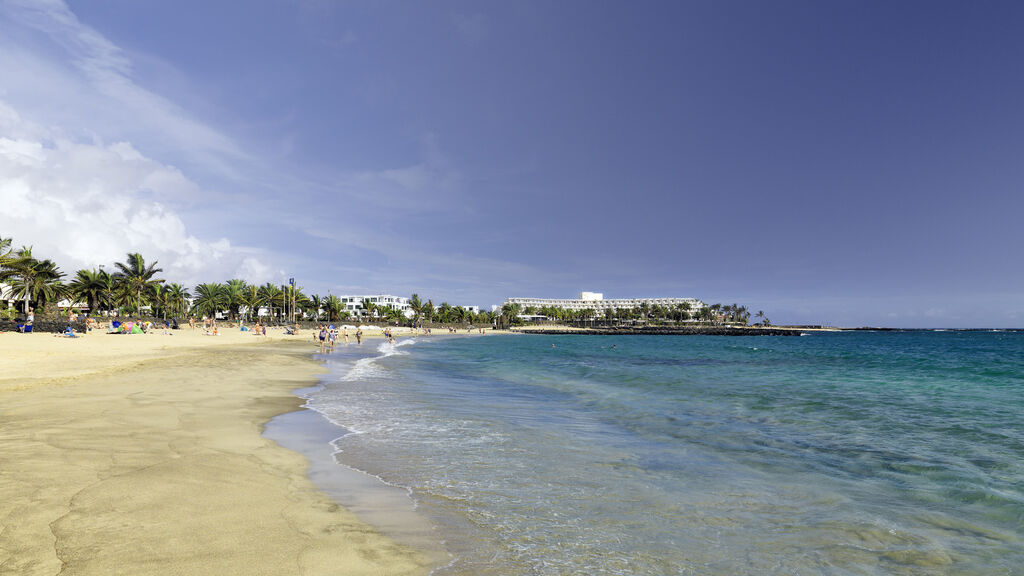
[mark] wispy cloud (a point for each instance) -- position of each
(106, 70)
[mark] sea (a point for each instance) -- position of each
(846, 453)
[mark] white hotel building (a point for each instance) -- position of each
(596, 301)
(354, 304)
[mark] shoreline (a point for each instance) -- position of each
(145, 454)
(386, 507)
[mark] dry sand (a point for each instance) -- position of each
(143, 454)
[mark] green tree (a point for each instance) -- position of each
(416, 305)
(5, 255)
(273, 298)
(510, 314)
(316, 305)
(370, 308)
(444, 312)
(35, 282)
(176, 299)
(252, 299)
(333, 306)
(645, 310)
(92, 287)
(136, 280)
(210, 299)
(234, 290)
(459, 315)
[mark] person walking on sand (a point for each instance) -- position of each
(359, 337)
(323, 338)
(345, 332)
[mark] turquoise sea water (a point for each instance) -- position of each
(831, 453)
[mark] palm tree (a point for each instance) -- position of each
(370, 307)
(316, 305)
(5, 252)
(136, 280)
(252, 299)
(273, 298)
(91, 287)
(428, 310)
(36, 282)
(393, 314)
(645, 310)
(760, 315)
(211, 298)
(234, 290)
(444, 312)
(416, 305)
(176, 299)
(333, 306)
(510, 313)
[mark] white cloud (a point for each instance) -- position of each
(82, 204)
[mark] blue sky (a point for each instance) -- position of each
(853, 163)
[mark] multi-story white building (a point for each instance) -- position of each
(354, 304)
(596, 301)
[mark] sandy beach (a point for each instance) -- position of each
(143, 454)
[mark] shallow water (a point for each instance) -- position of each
(833, 453)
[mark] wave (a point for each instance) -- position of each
(368, 368)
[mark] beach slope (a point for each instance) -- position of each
(143, 455)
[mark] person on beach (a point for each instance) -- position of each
(345, 332)
(323, 338)
(331, 337)
(192, 322)
(359, 336)
(30, 319)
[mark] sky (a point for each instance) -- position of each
(844, 163)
